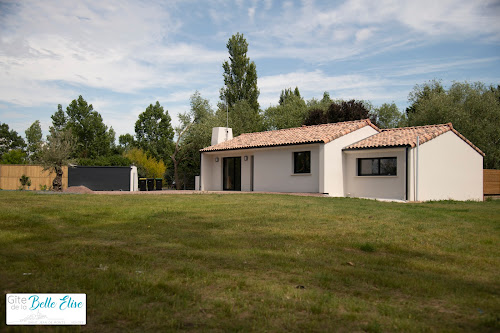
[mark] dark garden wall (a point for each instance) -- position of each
(100, 178)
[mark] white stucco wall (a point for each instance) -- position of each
(211, 172)
(331, 180)
(381, 187)
(273, 169)
(448, 168)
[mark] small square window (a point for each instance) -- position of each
(302, 162)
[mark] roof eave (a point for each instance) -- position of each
(378, 147)
(259, 147)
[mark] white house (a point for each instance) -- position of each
(352, 158)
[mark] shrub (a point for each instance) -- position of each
(25, 181)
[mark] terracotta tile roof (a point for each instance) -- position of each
(290, 136)
(407, 137)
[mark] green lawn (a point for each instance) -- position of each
(256, 262)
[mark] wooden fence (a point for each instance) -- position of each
(10, 174)
(491, 182)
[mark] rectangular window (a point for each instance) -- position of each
(302, 162)
(383, 166)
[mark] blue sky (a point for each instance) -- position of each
(123, 55)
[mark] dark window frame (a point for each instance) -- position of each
(378, 159)
(306, 164)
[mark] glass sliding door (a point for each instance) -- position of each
(231, 174)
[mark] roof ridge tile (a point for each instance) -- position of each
(407, 136)
(297, 135)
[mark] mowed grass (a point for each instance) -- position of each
(256, 262)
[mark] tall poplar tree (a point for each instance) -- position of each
(240, 75)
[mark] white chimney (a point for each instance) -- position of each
(221, 134)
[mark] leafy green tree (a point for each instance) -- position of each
(388, 116)
(92, 136)
(154, 133)
(242, 118)
(9, 140)
(14, 156)
(339, 112)
(112, 160)
(421, 93)
(240, 75)
(290, 112)
(126, 141)
(59, 119)
(34, 139)
(180, 148)
(473, 108)
(57, 153)
(197, 136)
(289, 93)
(322, 104)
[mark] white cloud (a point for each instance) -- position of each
(122, 47)
(268, 4)
(313, 84)
(251, 13)
(364, 34)
(51, 51)
(419, 68)
(374, 25)
(451, 17)
(28, 93)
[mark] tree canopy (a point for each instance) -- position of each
(290, 112)
(473, 108)
(14, 156)
(388, 116)
(154, 132)
(59, 119)
(338, 112)
(57, 153)
(126, 141)
(147, 166)
(242, 118)
(287, 93)
(92, 136)
(34, 138)
(321, 104)
(9, 140)
(202, 118)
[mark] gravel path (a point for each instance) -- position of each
(85, 190)
(180, 192)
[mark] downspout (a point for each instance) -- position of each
(407, 176)
(416, 170)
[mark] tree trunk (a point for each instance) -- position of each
(57, 182)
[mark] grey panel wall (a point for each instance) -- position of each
(100, 178)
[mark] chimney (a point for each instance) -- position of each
(221, 134)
